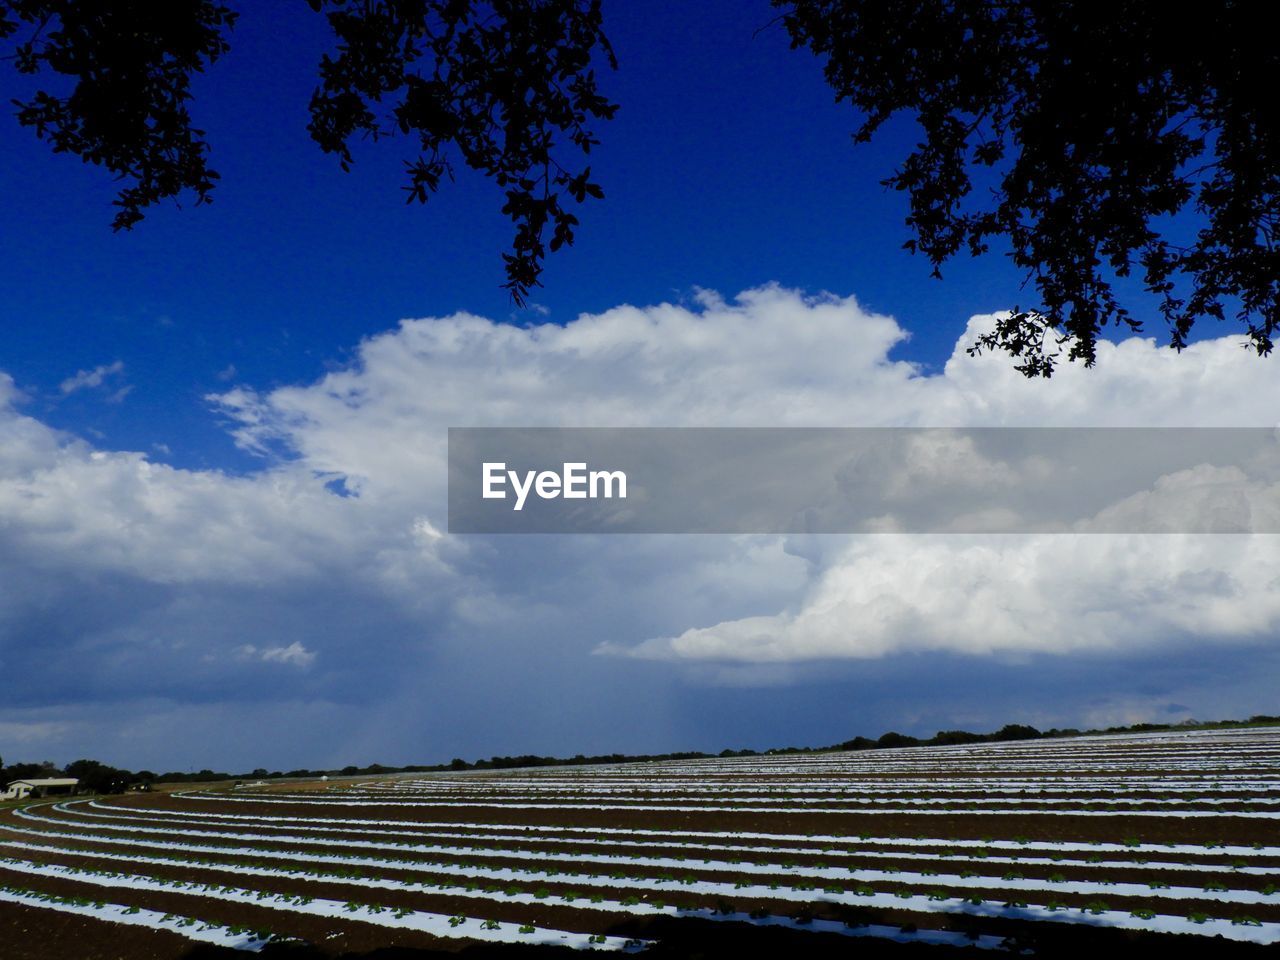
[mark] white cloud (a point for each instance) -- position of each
(89, 379)
(118, 563)
(1201, 499)
(774, 357)
(1009, 595)
(294, 654)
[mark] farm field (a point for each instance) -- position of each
(1168, 841)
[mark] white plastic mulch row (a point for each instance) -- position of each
(1158, 755)
(1080, 755)
(435, 924)
(664, 837)
(807, 875)
(1110, 811)
(210, 933)
(829, 789)
(805, 872)
(833, 784)
(1253, 932)
(830, 778)
(876, 762)
(653, 777)
(496, 841)
(640, 908)
(835, 796)
(630, 778)
(1195, 774)
(188, 927)
(1258, 735)
(1198, 750)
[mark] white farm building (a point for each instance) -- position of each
(21, 789)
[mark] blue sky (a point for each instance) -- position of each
(728, 165)
(173, 584)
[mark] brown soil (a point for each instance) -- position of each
(36, 933)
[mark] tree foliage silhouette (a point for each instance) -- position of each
(1110, 138)
(504, 86)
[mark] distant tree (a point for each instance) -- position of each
(504, 86)
(857, 743)
(954, 737)
(27, 771)
(1077, 132)
(1016, 731)
(895, 739)
(99, 777)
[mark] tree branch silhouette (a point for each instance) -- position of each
(1105, 128)
(506, 87)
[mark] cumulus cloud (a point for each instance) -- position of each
(1017, 595)
(66, 503)
(130, 578)
(1204, 498)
